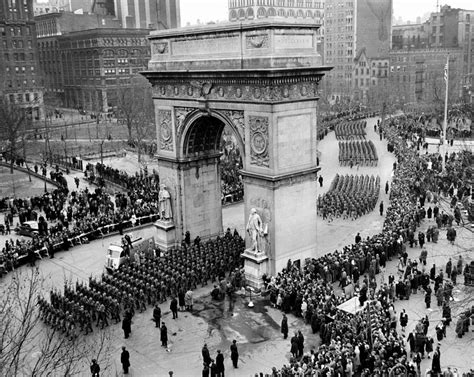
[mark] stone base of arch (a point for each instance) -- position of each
(197, 196)
(287, 203)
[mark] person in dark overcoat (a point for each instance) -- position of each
(284, 326)
(234, 353)
(206, 356)
(220, 364)
(164, 335)
(294, 346)
(174, 307)
(126, 326)
(157, 315)
(436, 363)
(125, 360)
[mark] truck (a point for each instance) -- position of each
(120, 254)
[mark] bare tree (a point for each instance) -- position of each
(30, 348)
(13, 120)
(135, 110)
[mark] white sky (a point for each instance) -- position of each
(216, 10)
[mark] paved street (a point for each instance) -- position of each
(257, 330)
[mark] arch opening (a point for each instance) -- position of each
(215, 138)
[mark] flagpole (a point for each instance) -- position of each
(445, 122)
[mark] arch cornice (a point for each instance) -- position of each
(264, 86)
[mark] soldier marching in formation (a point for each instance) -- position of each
(140, 284)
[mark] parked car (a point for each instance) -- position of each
(28, 228)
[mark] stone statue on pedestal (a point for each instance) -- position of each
(164, 198)
(255, 229)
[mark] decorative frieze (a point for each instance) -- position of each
(261, 91)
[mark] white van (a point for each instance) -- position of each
(116, 254)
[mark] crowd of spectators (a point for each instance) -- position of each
(71, 218)
(350, 345)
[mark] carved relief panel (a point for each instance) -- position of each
(166, 131)
(259, 140)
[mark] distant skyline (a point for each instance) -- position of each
(216, 10)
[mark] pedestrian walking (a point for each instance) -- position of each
(284, 326)
(381, 208)
(95, 368)
(234, 353)
(387, 187)
(125, 360)
(174, 307)
(320, 180)
(164, 335)
(220, 364)
(126, 326)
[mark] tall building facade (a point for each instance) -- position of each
(101, 7)
(448, 30)
(240, 10)
(148, 14)
(417, 75)
(350, 27)
(50, 28)
(20, 79)
(97, 63)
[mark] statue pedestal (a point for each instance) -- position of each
(165, 234)
(256, 265)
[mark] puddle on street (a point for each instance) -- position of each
(234, 320)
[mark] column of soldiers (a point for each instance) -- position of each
(349, 196)
(141, 283)
(357, 152)
(351, 130)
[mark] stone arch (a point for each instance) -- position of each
(202, 133)
(261, 13)
(300, 14)
(309, 14)
(281, 13)
(291, 13)
(250, 14)
(271, 12)
(241, 14)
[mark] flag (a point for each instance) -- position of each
(446, 72)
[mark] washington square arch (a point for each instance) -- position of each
(261, 79)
